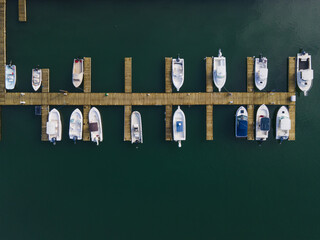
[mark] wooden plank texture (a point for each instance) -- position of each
(22, 10)
(250, 109)
(127, 125)
(250, 74)
(292, 74)
(86, 89)
(44, 108)
(86, 132)
(127, 89)
(292, 132)
(209, 108)
(168, 89)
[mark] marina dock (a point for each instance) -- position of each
(22, 5)
(127, 99)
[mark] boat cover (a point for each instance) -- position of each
(263, 73)
(242, 128)
(93, 127)
(179, 126)
(307, 74)
(51, 128)
(265, 124)
(285, 124)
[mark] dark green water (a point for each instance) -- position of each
(224, 189)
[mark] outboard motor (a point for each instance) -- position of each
(75, 138)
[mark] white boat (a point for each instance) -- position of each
(304, 72)
(76, 125)
(54, 126)
(241, 122)
(219, 71)
(178, 72)
(11, 76)
(136, 128)
(261, 72)
(262, 123)
(179, 126)
(95, 125)
(36, 78)
(77, 72)
(283, 124)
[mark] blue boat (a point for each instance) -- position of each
(241, 123)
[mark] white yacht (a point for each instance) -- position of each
(178, 72)
(36, 78)
(54, 126)
(76, 125)
(283, 124)
(262, 123)
(241, 122)
(136, 128)
(261, 72)
(219, 71)
(11, 76)
(95, 125)
(77, 72)
(304, 72)
(179, 126)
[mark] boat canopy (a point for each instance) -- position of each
(242, 128)
(179, 126)
(51, 128)
(307, 74)
(93, 127)
(285, 124)
(265, 124)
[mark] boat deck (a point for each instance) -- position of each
(22, 10)
(128, 99)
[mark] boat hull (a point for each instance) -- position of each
(263, 112)
(136, 128)
(95, 121)
(178, 72)
(76, 125)
(77, 72)
(304, 72)
(11, 77)
(179, 126)
(54, 126)
(283, 124)
(261, 73)
(36, 79)
(219, 72)
(241, 118)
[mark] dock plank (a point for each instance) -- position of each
(168, 89)
(292, 74)
(250, 74)
(209, 108)
(250, 109)
(87, 91)
(127, 89)
(22, 10)
(44, 108)
(86, 132)
(292, 132)
(3, 49)
(127, 121)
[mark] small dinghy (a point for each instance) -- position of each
(241, 122)
(219, 71)
(136, 128)
(95, 125)
(11, 76)
(75, 125)
(283, 124)
(179, 126)
(178, 72)
(36, 78)
(77, 72)
(262, 123)
(261, 72)
(54, 126)
(304, 72)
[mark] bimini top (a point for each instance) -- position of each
(242, 129)
(93, 127)
(265, 124)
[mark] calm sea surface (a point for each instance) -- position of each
(222, 189)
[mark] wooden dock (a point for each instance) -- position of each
(22, 10)
(292, 90)
(250, 88)
(209, 108)
(168, 89)
(127, 89)
(44, 107)
(86, 89)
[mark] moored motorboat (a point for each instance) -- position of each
(219, 71)
(262, 123)
(304, 72)
(261, 72)
(241, 122)
(283, 124)
(95, 125)
(178, 72)
(11, 76)
(77, 72)
(136, 127)
(54, 126)
(76, 125)
(36, 78)
(179, 126)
